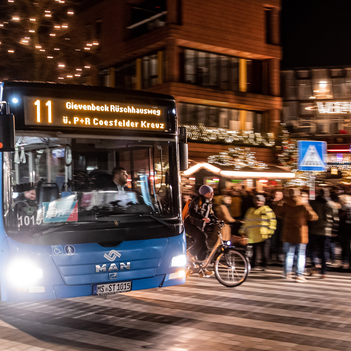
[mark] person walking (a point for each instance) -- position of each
(259, 225)
(295, 215)
(276, 240)
(223, 214)
(321, 230)
(344, 234)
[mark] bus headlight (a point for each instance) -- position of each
(23, 273)
(178, 261)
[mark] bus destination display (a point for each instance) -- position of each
(97, 114)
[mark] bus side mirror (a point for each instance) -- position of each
(7, 133)
(183, 149)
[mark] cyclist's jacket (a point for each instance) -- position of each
(199, 208)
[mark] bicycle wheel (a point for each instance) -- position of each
(231, 268)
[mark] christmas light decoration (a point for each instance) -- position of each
(221, 135)
(35, 37)
(238, 158)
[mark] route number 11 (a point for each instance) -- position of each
(49, 106)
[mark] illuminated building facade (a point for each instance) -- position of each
(218, 59)
(317, 105)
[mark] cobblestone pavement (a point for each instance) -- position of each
(265, 313)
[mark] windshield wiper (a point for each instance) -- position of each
(57, 227)
(168, 225)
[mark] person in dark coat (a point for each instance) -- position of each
(295, 216)
(321, 230)
(344, 234)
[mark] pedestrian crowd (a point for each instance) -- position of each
(285, 227)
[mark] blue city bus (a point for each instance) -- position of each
(67, 229)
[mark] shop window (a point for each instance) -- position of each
(249, 120)
(306, 126)
(305, 108)
(187, 114)
(322, 88)
(201, 115)
(217, 117)
(258, 122)
(304, 88)
(223, 118)
(339, 88)
(288, 85)
(234, 119)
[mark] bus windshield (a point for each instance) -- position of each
(50, 180)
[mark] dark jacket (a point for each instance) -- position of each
(327, 217)
(345, 222)
(295, 216)
(200, 208)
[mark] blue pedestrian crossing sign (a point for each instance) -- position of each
(312, 156)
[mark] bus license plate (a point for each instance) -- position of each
(113, 288)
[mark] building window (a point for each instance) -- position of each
(218, 117)
(149, 71)
(233, 119)
(88, 33)
(268, 16)
(147, 16)
(125, 76)
(98, 29)
(339, 88)
(210, 70)
(322, 85)
(190, 64)
(255, 74)
(304, 88)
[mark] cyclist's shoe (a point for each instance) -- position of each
(204, 273)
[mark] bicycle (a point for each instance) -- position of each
(231, 264)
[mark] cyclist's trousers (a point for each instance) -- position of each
(200, 246)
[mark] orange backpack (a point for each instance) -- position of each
(185, 213)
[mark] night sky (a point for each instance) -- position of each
(316, 33)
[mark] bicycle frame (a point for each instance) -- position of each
(219, 243)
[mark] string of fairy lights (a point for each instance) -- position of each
(206, 134)
(43, 27)
(238, 158)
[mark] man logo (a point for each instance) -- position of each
(112, 255)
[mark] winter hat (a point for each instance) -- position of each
(205, 189)
(260, 198)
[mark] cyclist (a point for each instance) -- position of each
(199, 215)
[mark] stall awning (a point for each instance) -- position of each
(272, 172)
